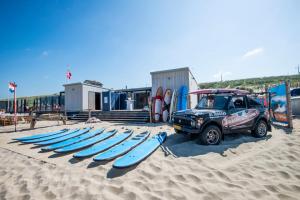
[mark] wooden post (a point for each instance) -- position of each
(289, 105)
(150, 107)
(15, 106)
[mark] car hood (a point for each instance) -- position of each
(201, 112)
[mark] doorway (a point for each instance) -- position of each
(94, 100)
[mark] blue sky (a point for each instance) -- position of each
(120, 42)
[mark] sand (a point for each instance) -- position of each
(242, 167)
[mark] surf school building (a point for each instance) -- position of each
(91, 95)
(86, 96)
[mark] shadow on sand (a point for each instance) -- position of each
(116, 172)
(94, 164)
(179, 145)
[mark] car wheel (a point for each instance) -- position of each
(210, 136)
(260, 130)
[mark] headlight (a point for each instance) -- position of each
(199, 122)
(193, 123)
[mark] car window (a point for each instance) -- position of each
(253, 103)
(237, 102)
(295, 92)
(212, 102)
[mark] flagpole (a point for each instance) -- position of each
(8, 102)
(65, 93)
(15, 106)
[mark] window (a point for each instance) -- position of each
(253, 103)
(237, 102)
(212, 102)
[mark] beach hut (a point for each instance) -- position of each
(174, 79)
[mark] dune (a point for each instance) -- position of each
(241, 167)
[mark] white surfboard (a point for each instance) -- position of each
(157, 109)
(173, 104)
(166, 105)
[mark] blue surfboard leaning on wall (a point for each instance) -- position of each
(184, 97)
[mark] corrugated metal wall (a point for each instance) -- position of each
(174, 79)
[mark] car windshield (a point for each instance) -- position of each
(212, 102)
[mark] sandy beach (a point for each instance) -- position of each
(242, 167)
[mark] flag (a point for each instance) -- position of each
(11, 87)
(69, 74)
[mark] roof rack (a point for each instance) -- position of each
(220, 91)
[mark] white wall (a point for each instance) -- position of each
(170, 80)
(73, 97)
(193, 85)
(85, 95)
(174, 79)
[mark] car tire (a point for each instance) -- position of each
(211, 135)
(261, 129)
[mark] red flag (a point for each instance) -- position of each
(69, 75)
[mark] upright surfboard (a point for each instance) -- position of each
(73, 140)
(184, 97)
(158, 104)
(166, 105)
(179, 98)
(140, 152)
(87, 143)
(122, 148)
(104, 145)
(66, 137)
(40, 135)
(51, 136)
(172, 105)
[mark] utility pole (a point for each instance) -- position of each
(221, 77)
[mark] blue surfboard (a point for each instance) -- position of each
(141, 152)
(51, 136)
(56, 140)
(40, 135)
(122, 148)
(87, 143)
(73, 140)
(104, 145)
(179, 99)
(184, 96)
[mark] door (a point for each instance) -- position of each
(239, 116)
(97, 101)
(91, 100)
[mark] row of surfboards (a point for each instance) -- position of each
(106, 145)
(165, 103)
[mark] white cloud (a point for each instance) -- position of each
(45, 53)
(253, 52)
(223, 74)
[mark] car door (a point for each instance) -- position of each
(238, 114)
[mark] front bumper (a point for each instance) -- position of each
(186, 129)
